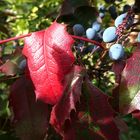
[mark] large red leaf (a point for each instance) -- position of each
(49, 58)
(61, 111)
(129, 98)
(30, 116)
(101, 112)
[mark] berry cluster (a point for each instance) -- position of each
(122, 25)
(93, 33)
(113, 34)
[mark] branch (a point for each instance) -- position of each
(73, 36)
(14, 38)
(88, 40)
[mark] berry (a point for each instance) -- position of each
(109, 1)
(116, 52)
(22, 64)
(112, 11)
(129, 22)
(109, 34)
(90, 33)
(101, 15)
(101, 8)
(78, 29)
(126, 8)
(96, 26)
(119, 19)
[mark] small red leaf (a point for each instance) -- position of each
(81, 131)
(101, 112)
(49, 58)
(30, 116)
(61, 111)
(129, 87)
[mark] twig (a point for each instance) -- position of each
(14, 38)
(88, 40)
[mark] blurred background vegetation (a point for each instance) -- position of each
(23, 16)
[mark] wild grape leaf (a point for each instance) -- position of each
(30, 116)
(61, 111)
(49, 58)
(129, 98)
(77, 130)
(101, 112)
(78, 127)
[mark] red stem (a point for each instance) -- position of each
(14, 38)
(73, 36)
(88, 40)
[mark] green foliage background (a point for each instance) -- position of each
(23, 16)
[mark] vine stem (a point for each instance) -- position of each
(14, 38)
(88, 40)
(73, 36)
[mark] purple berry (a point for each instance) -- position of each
(119, 19)
(101, 15)
(96, 26)
(78, 30)
(90, 33)
(109, 35)
(116, 52)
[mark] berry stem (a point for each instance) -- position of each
(14, 38)
(88, 40)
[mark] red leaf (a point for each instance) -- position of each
(136, 114)
(61, 111)
(129, 87)
(30, 116)
(101, 112)
(80, 127)
(117, 69)
(81, 131)
(49, 59)
(121, 124)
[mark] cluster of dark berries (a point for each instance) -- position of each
(122, 23)
(112, 34)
